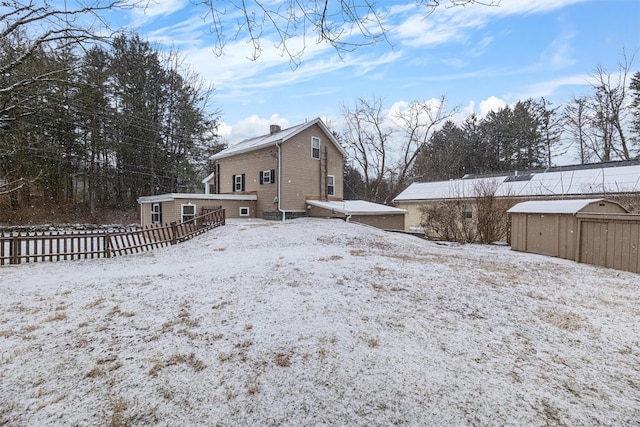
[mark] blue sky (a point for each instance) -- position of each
(479, 57)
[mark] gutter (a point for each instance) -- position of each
(280, 181)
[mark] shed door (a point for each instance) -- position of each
(542, 234)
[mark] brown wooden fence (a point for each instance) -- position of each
(26, 247)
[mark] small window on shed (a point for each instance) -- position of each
(188, 212)
(156, 213)
(467, 211)
(244, 211)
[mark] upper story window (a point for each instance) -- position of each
(238, 182)
(156, 213)
(331, 185)
(268, 177)
(315, 148)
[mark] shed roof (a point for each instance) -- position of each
(605, 179)
(357, 207)
(271, 139)
(556, 206)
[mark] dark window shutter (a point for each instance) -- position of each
(273, 176)
(261, 178)
(233, 183)
(242, 182)
(160, 213)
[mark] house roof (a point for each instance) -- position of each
(357, 207)
(605, 179)
(555, 206)
(271, 139)
(174, 196)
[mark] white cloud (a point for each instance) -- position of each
(155, 8)
(549, 87)
(447, 24)
(491, 104)
(252, 126)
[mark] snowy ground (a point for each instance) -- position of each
(319, 322)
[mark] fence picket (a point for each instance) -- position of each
(19, 247)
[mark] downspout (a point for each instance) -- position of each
(280, 182)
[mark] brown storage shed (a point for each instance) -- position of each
(595, 231)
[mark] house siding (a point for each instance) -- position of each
(251, 164)
(171, 210)
(304, 178)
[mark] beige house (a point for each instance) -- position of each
(279, 175)
(619, 181)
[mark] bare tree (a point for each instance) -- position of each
(344, 25)
(367, 138)
(576, 122)
(417, 122)
(609, 107)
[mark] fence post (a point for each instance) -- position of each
(174, 233)
(14, 250)
(107, 245)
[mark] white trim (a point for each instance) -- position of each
(313, 140)
(157, 213)
(332, 186)
(182, 214)
(170, 197)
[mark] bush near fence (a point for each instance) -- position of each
(27, 247)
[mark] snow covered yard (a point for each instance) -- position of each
(319, 322)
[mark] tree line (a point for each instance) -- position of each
(422, 142)
(100, 126)
(100, 119)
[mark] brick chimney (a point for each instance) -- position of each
(274, 129)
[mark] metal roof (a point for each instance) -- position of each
(357, 207)
(579, 182)
(271, 139)
(554, 206)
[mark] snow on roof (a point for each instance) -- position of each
(599, 180)
(173, 196)
(357, 207)
(274, 138)
(553, 206)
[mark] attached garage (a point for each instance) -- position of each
(594, 231)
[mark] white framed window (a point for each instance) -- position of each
(244, 211)
(238, 182)
(187, 212)
(467, 211)
(331, 185)
(268, 177)
(315, 148)
(156, 213)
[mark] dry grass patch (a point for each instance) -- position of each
(564, 320)
(372, 342)
(190, 360)
(56, 317)
(95, 303)
(283, 360)
(357, 252)
(330, 258)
